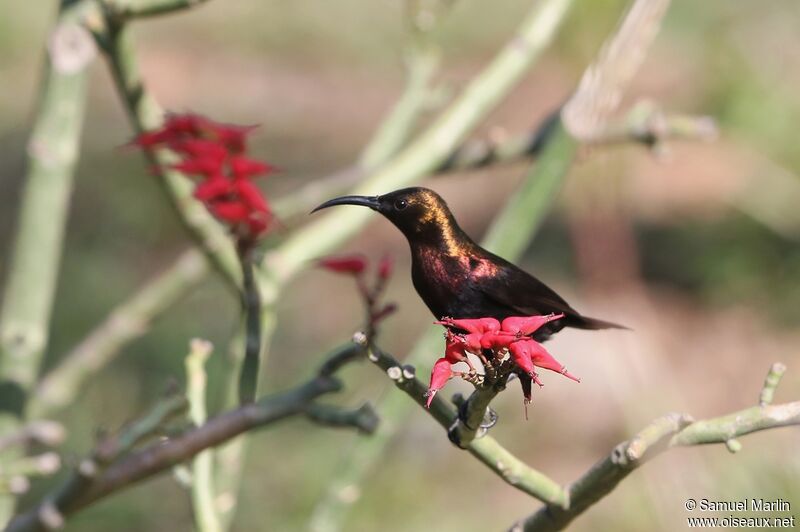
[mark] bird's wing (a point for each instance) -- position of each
(522, 293)
(525, 295)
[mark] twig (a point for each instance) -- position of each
(126, 322)
(251, 299)
(206, 518)
(364, 418)
(771, 382)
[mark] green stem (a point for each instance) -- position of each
(511, 231)
(34, 265)
(248, 378)
(203, 499)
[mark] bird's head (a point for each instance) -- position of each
(418, 212)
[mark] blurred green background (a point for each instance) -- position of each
(696, 249)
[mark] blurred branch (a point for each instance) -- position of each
(646, 124)
(52, 154)
(252, 315)
(422, 59)
(602, 85)
(130, 320)
(43, 209)
(111, 467)
(666, 432)
(203, 495)
(363, 418)
(123, 10)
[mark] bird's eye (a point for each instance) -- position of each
(400, 204)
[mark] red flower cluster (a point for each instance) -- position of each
(216, 154)
(487, 335)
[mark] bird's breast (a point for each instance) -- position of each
(444, 281)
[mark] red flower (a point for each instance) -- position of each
(494, 341)
(215, 153)
(351, 264)
(440, 374)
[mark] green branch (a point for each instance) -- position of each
(203, 494)
(662, 434)
(44, 204)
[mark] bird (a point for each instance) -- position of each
(457, 278)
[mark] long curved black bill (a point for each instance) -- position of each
(365, 201)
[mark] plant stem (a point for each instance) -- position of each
(34, 264)
(251, 299)
(203, 499)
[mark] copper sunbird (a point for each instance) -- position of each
(457, 278)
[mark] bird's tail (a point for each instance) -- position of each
(585, 322)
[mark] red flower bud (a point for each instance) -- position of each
(206, 166)
(213, 188)
(543, 359)
(230, 211)
(250, 195)
(527, 325)
(351, 264)
(440, 374)
(497, 340)
(242, 167)
(478, 325)
(199, 148)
